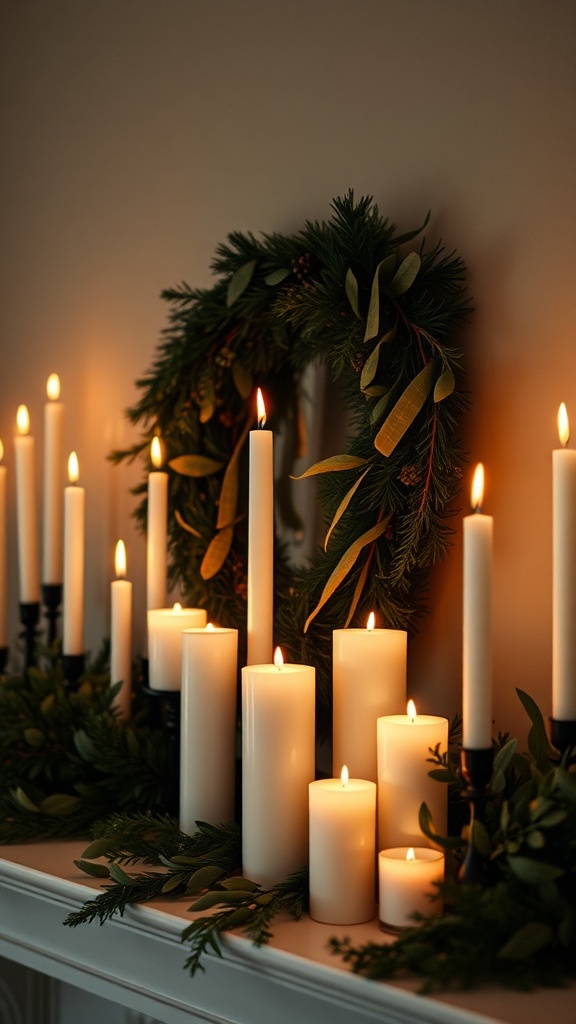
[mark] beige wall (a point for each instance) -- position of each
(137, 133)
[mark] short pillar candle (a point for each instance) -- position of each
(406, 877)
(165, 626)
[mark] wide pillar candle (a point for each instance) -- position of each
(74, 534)
(369, 680)
(53, 465)
(28, 566)
(121, 633)
(278, 760)
(342, 850)
(406, 880)
(165, 626)
(477, 624)
(260, 542)
(157, 531)
(404, 743)
(564, 576)
(208, 729)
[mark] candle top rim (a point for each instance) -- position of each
(277, 671)
(203, 631)
(369, 632)
(335, 785)
(421, 854)
(175, 611)
(417, 720)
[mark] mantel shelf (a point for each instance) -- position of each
(137, 961)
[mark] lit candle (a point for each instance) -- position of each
(260, 542)
(208, 733)
(564, 575)
(342, 850)
(404, 742)
(406, 880)
(73, 589)
(277, 767)
(477, 626)
(157, 531)
(121, 633)
(29, 574)
(3, 605)
(53, 465)
(165, 626)
(369, 680)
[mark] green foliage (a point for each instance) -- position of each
(347, 294)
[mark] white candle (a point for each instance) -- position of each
(260, 542)
(404, 742)
(121, 633)
(564, 575)
(406, 880)
(369, 680)
(73, 589)
(157, 530)
(3, 604)
(342, 850)
(29, 574)
(277, 767)
(477, 625)
(53, 466)
(208, 732)
(165, 626)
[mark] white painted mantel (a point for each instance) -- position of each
(137, 962)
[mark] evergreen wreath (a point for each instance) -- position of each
(344, 293)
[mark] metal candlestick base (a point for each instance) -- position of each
(165, 713)
(52, 599)
(72, 669)
(3, 659)
(29, 617)
(563, 736)
(476, 767)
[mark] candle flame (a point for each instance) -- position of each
(1, 451)
(410, 854)
(156, 452)
(371, 622)
(209, 627)
(120, 559)
(73, 470)
(53, 387)
(411, 710)
(22, 420)
(261, 408)
(278, 659)
(477, 494)
(563, 425)
(344, 776)
(177, 607)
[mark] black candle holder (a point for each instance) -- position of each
(72, 669)
(165, 713)
(52, 599)
(476, 767)
(563, 736)
(29, 617)
(4, 651)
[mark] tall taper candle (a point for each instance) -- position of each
(52, 536)
(29, 572)
(261, 542)
(3, 603)
(564, 575)
(121, 633)
(73, 591)
(477, 624)
(157, 532)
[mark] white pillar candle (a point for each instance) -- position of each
(260, 542)
(121, 633)
(369, 680)
(477, 623)
(342, 850)
(208, 726)
(165, 626)
(53, 467)
(564, 575)
(278, 755)
(3, 603)
(406, 879)
(29, 574)
(157, 531)
(404, 742)
(73, 589)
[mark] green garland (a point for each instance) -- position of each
(518, 930)
(351, 294)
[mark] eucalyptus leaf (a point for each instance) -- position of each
(182, 522)
(405, 275)
(84, 745)
(538, 743)
(334, 464)
(204, 877)
(243, 380)
(239, 917)
(277, 276)
(383, 269)
(220, 897)
(566, 783)
(216, 553)
(21, 798)
(171, 883)
(427, 827)
(238, 882)
(228, 499)
(533, 872)
(95, 870)
(59, 805)
(98, 848)
(402, 239)
(195, 465)
(379, 407)
(370, 368)
(480, 838)
(351, 287)
(34, 737)
(344, 505)
(526, 941)
(360, 584)
(404, 412)
(503, 757)
(120, 876)
(445, 384)
(239, 282)
(207, 401)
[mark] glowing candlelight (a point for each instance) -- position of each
(74, 537)
(564, 574)
(407, 878)
(477, 625)
(157, 530)
(260, 541)
(121, 632)
(24, 449)
(52, 533)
